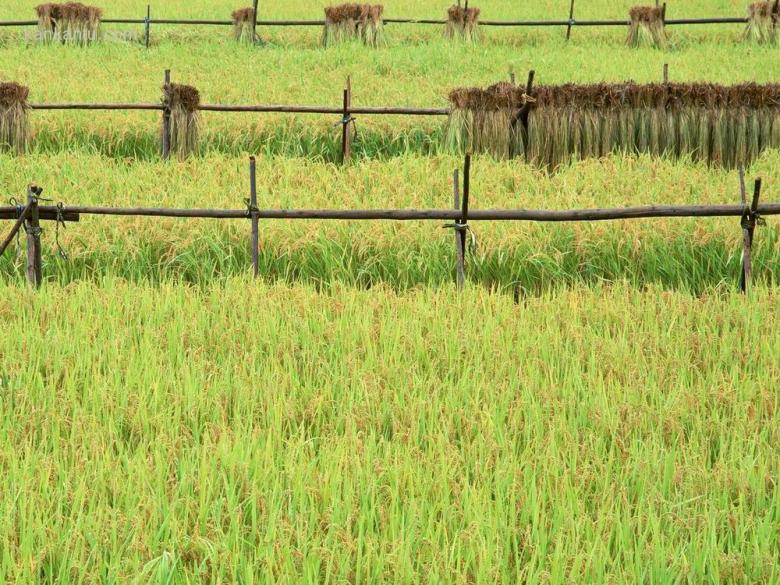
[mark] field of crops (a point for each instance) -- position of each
(598, 405)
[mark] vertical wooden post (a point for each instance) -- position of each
(460, 269)
(571, 20)
(512, 78)
(253, 212)
(748, 222)
(166, 121)
(254, 21)
(33, 227)
(666, 73)
(147, 24)
(663, 13)
(463, 222)
(346, 146)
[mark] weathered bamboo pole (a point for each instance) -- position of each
(166, 120)
(571, 20)
(254, 21)
(33, 228)
(748, 222)
(147, 25)
(15, 229)
(536, 215)
(346, 146)
(460, 268)
(253, 214)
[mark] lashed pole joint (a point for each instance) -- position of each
(33, 228)
(253, 211)
(749, 220)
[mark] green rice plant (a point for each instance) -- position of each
(183, 101)
(252, 432)
(462, 23)
(762, 23)
(346, 22)
(243, 25)
(13, 117)
(647, 28)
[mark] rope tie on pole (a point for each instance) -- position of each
(346, 120)
(250, 208)
(464, 228)
(60, 221)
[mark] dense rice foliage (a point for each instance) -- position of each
(254, 434)
(599, 406)
(684, 254)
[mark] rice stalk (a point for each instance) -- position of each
(13, 117)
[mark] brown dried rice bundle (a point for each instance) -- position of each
(720, 125)
(462, 23)
(184, 104)
(487, 120)
(762, 23)
(243, 25)
(13, 117)
(353, 21)
(70, 23)
(647, 27)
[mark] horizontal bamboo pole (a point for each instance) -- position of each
(600, 214)
(96, 106)
(400, 111)
(328, 110)
(497, 23)
(46, 213)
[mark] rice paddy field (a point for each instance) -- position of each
(598, 405)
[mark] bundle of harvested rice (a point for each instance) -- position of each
(462, 23)
(487, 120)
(762, 23)
(720, 125)
(243, 25)
(13, 117)
(183, 101)
(353, 21)
(70, 23)
(647, 27)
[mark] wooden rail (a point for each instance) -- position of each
(750, 215)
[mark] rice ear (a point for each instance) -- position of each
(70, 23)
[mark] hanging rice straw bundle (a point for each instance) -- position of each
(70, 23)
(184, 104)
(487, 120)
(13, 117)
(647, 27)
(762, 22)
(719, 125)
(243, 25)
(353, 21)
(462, 23)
